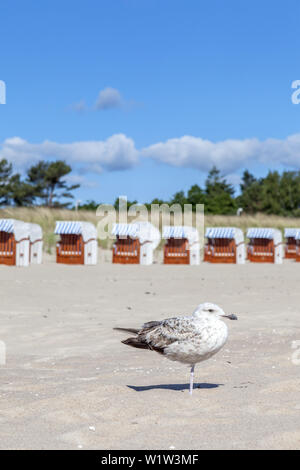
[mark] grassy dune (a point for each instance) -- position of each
(47, 217)
(246, 221)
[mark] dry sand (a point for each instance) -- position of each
(69, 383)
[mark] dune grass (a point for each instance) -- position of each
(46, 218)
(246, 221)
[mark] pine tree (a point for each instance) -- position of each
(250, 198)
(20, 192)
(179, 198)
(196, 195)
(219, 194)
(5, 174)
(50, 187)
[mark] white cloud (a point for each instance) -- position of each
(80, 179)
(194, 152)
(109, 98)
(118, 152)
(284, 152)
(228, 155)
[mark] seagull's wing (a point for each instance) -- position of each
(151, 324)
(159, 335)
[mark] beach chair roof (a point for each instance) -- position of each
(86, 229)
(35, 232)
(143, 231)
(17, 227)
(225, 232)
(291, 232)
(181, 231)
(267, 233)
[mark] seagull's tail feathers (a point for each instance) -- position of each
(128, 330)
(141, 341)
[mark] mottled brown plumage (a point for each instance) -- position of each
(158, 335)
(140, 341)
(188, 339)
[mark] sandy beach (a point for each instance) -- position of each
(69, 383)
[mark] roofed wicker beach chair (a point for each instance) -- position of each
(224, 245)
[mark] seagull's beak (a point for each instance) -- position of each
(231, 317)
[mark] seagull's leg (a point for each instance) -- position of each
(192, 379)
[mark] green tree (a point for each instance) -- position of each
(179, 198)
(250, 198)
(129, 203)
(5, 174)
(155, 201)
(290, 193)
(196, 195)
(270, 194)
(219, 194)
(247, 180)
(50, 186)
(20, 192)
(89, 206)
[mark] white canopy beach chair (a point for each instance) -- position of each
(135, 243)
(265, 245)
(14, 242)
(224, 245)
(290, 242)
(78, 243)
(297, 240)
(182, 246)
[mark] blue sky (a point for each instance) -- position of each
(142, 97)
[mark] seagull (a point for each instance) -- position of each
(187, 339)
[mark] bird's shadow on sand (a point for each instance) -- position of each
(176, 387)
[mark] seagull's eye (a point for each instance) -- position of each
(210, 310)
